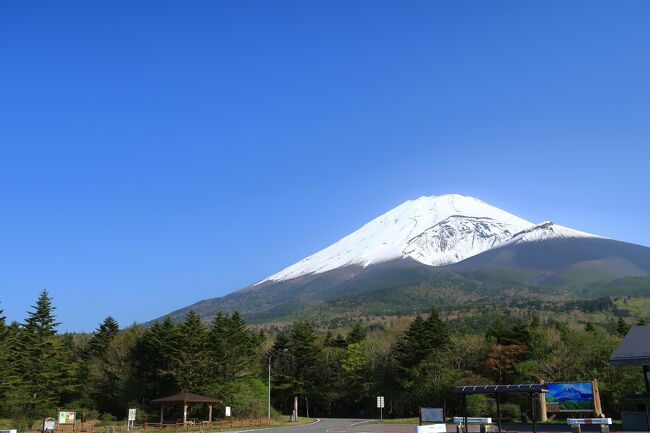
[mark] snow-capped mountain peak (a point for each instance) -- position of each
(447, 221)
(434, 230)
(457, 238)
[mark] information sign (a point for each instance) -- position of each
(49, 424)
(432, 414)
(66, 417)
(570, 397)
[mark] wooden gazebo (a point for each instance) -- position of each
(186, 399)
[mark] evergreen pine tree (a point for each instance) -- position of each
(4, 360)
(12, 385)
(154, 361)
(340, 341)
(3, 325)
(102, 379)
(304, 354)
(103, 336)
(409, 350)
(519, 334)
(435, 334)
(43, 369)
(622, 327)
(233, 348)
(358, 334)
(190, 356)
(498, 330)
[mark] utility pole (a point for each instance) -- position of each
(269, 405)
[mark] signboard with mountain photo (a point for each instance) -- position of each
(570, 397)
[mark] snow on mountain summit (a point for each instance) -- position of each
(434, 230)
(457, 238)
(547, 230)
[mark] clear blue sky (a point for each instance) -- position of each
(153, 154)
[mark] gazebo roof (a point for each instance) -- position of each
(634, 349)
(185, 397)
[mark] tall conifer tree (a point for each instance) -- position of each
(190, 356)
(44, 373)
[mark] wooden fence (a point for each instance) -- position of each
(206, 425)
(199, 427)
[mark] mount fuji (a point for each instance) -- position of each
(436, 231)
(435, 243)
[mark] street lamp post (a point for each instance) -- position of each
(269, 406)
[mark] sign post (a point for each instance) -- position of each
(380, 406)
(131, 418)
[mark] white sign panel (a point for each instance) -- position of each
(472, 420)
(432, 414)
(227, 410)
(131, 414)
(380, 402)
(431, 428)
(574, 421)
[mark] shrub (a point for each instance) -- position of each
(107, 417)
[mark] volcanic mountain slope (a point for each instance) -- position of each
(447, 249)
(555, 255)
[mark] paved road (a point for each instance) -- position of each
(330, 425)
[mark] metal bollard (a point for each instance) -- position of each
(575, 428)
(459, 428)
(604, 428)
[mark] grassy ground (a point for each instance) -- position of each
(285, 422)
(399, 421)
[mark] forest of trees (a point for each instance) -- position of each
(113, 369)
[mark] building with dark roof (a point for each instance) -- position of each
(635, 350)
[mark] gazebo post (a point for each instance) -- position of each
(162, 408)
(185, 412)
(465, 411)
(533, 411)
(210, 412)
(498, 412)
